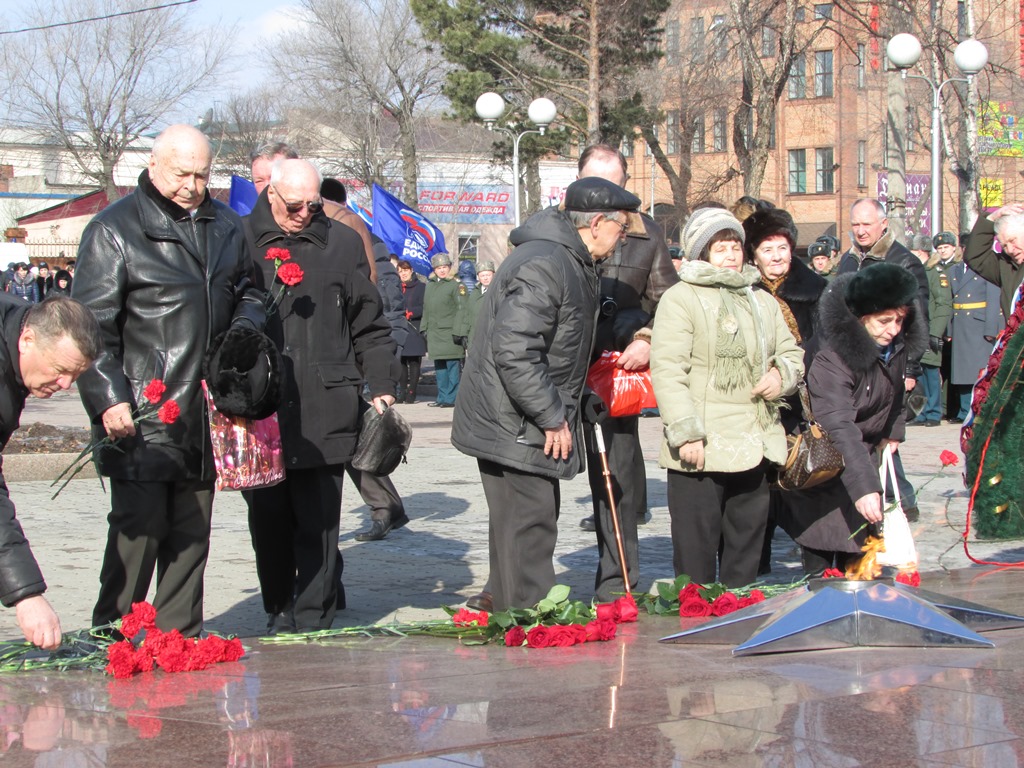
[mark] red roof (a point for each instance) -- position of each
(89, 204)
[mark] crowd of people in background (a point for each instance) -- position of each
(731, 322)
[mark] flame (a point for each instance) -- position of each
(865, 568)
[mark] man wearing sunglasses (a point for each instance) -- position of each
(331, 333)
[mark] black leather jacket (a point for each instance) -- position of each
(163, 284)
(20, 576)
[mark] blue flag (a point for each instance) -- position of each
(361, 212)
(408, 234)
(243, 196)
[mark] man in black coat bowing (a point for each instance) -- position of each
(329, 328)
(44, 348)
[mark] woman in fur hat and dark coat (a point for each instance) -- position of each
(869, 325)
(769, 245)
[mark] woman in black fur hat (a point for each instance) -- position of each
(770, 245)
(869, 323)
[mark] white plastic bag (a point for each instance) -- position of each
(900, 551)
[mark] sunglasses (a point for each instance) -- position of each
(313, 207)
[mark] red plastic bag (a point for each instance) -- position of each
(626, 393)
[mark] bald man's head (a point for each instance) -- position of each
(179, 166)
(294, 194)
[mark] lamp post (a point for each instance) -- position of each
(971, 56)
(542, 112)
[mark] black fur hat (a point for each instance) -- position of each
(243, 373)
(880, 287)
(764, 223)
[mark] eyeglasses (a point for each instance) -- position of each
(313, 207)
(623, 226)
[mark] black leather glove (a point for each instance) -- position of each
(935, 344)
(594, 410)
(462, 341)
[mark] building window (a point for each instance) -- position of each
(961, 21)
(697, 145)
(468, 246)
(823, 11)
(798, 78)
(797, 171)
(719, 130)
(800, 14)
(912, 127)
(862, 65)
(697, 38)
(823, 73)
(862, 163)
(626, 147)
(824, 168)
(768, 42)
(672, 132)
(719, 41)
(672, 42)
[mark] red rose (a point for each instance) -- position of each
(606, 611)
(756, 596)
(278, 254)
(600, 630)
(154, 391)
(948, 458)
(579, 632)
(725, 603)
(561, 637)
(694, 606)
(169, 412)
(626, 609)
(515, 636)
(539, 637)
(290, 274)
(690, 590)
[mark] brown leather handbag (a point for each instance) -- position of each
(812, 458)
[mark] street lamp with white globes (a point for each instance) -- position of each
(971, 56)
(542, 112)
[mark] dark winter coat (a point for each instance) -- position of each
(998, 268)
(331, 334)
(20, 576)
(528, 360)
(413, 292)
(442, 313)
(163, 285)
(62, 274)
(858, 398)
(940, 310)
(800, 290)
(27, 290)
(975, 323)
(389, 286)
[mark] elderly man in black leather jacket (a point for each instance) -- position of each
(43, 349)
(166, 270)
(518, 411)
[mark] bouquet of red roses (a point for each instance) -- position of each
(168, 413)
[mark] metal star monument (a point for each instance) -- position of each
(839, 613)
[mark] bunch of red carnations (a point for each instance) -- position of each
(169, 651)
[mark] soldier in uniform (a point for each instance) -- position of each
(977, 320)
(940, 308)
(474, 298)
(442, 305)
(946, 256)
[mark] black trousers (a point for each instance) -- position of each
(629, 488)
(522, 530)
(379, 493)
(409, 379)
(294, 529)
(161, 526)
(718, 519)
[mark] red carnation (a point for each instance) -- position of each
(948, 458)
(832, 573)
(725, 603)
(626, 610)
(515, 636)
(693, 607)
(169, 412)
(146, 614)
(131, 625)
(278, 254)
(467, 618)
(290, 274)
(539, 637)
(910, 579)
(154, 391)
(121, 659)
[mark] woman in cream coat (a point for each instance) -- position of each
(721, 360)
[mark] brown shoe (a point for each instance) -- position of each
(481, 602)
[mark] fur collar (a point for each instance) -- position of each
(840, 330)
(876, 251)
(802, 285)
(702, 273)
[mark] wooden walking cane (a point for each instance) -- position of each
(603, 453)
